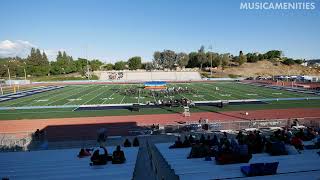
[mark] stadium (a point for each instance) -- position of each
(145, 90)
(154, 111)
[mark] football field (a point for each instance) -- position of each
(76, 95)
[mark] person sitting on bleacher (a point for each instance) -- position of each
(135, 142)
(202, 139)
(277, 148)
(208, 141)
(99, 159)
(127, 143)
(186, 142)
(196, 150)
(191, 139)
(224, 144)
(297, 143)
(177, 144)
(258, 144)
(84, 153)
(118, 156)
(240, 137)
(215, 141)
(310, 134)
(300, 134)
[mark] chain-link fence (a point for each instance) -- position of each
(15, 141)
(238, 125)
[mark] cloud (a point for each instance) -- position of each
(15, 48)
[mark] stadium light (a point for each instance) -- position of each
(8, 74)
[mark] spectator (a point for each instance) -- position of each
(191, 139)
(300, 134)
(202, 139)
(215, 141)
(297, 143)
(118, 156)
(258, 143)
(177, 144)
(186, 142)
(208, 141)
(99, 159)
(240, 137)
(135, 142)
(84, 153)
(310, 134)
(196, 151)
(127, 143)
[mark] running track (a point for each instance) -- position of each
(16, 126)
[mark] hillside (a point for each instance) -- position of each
(265, 68)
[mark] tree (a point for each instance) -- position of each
(37, 64)
(214, 58)
(120, 65)
(108, 67)
(252, 57)
(66, 63)
(134, 63)
(201, 56)
(148, 66)
(225, 59)
(182, 59)
(289, 61)
(165, 59)
(193, 61)
(273, 54)
(95, 64)
(242, 58)
(81, 65)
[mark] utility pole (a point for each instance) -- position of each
(25, 73)
(1, 89)
(88, 73)
(8, 74)
(210, 47)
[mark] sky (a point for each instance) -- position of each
(112, 30)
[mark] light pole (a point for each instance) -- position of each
(25, 73)
(9, 75)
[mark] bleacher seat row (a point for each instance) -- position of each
(301, 165)
(63, 164)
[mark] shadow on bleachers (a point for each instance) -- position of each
(59, 134)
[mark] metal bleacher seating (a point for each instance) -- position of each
(63, 164)
(305, 165)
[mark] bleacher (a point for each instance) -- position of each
(298, 166)
(64, 164)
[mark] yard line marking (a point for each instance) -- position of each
(122, 99)
(77, 92)
(94, 97)
(108, 98)
(30, 98)
(205, 90)
(200, 96)
(87, 94)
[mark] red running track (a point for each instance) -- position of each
(30, 125)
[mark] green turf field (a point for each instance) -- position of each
(74, 95)
(68, 112)
(113, 94)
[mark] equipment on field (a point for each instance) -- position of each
(135, 107)
(186, 112)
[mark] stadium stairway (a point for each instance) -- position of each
(142, 169)
(63, 164)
